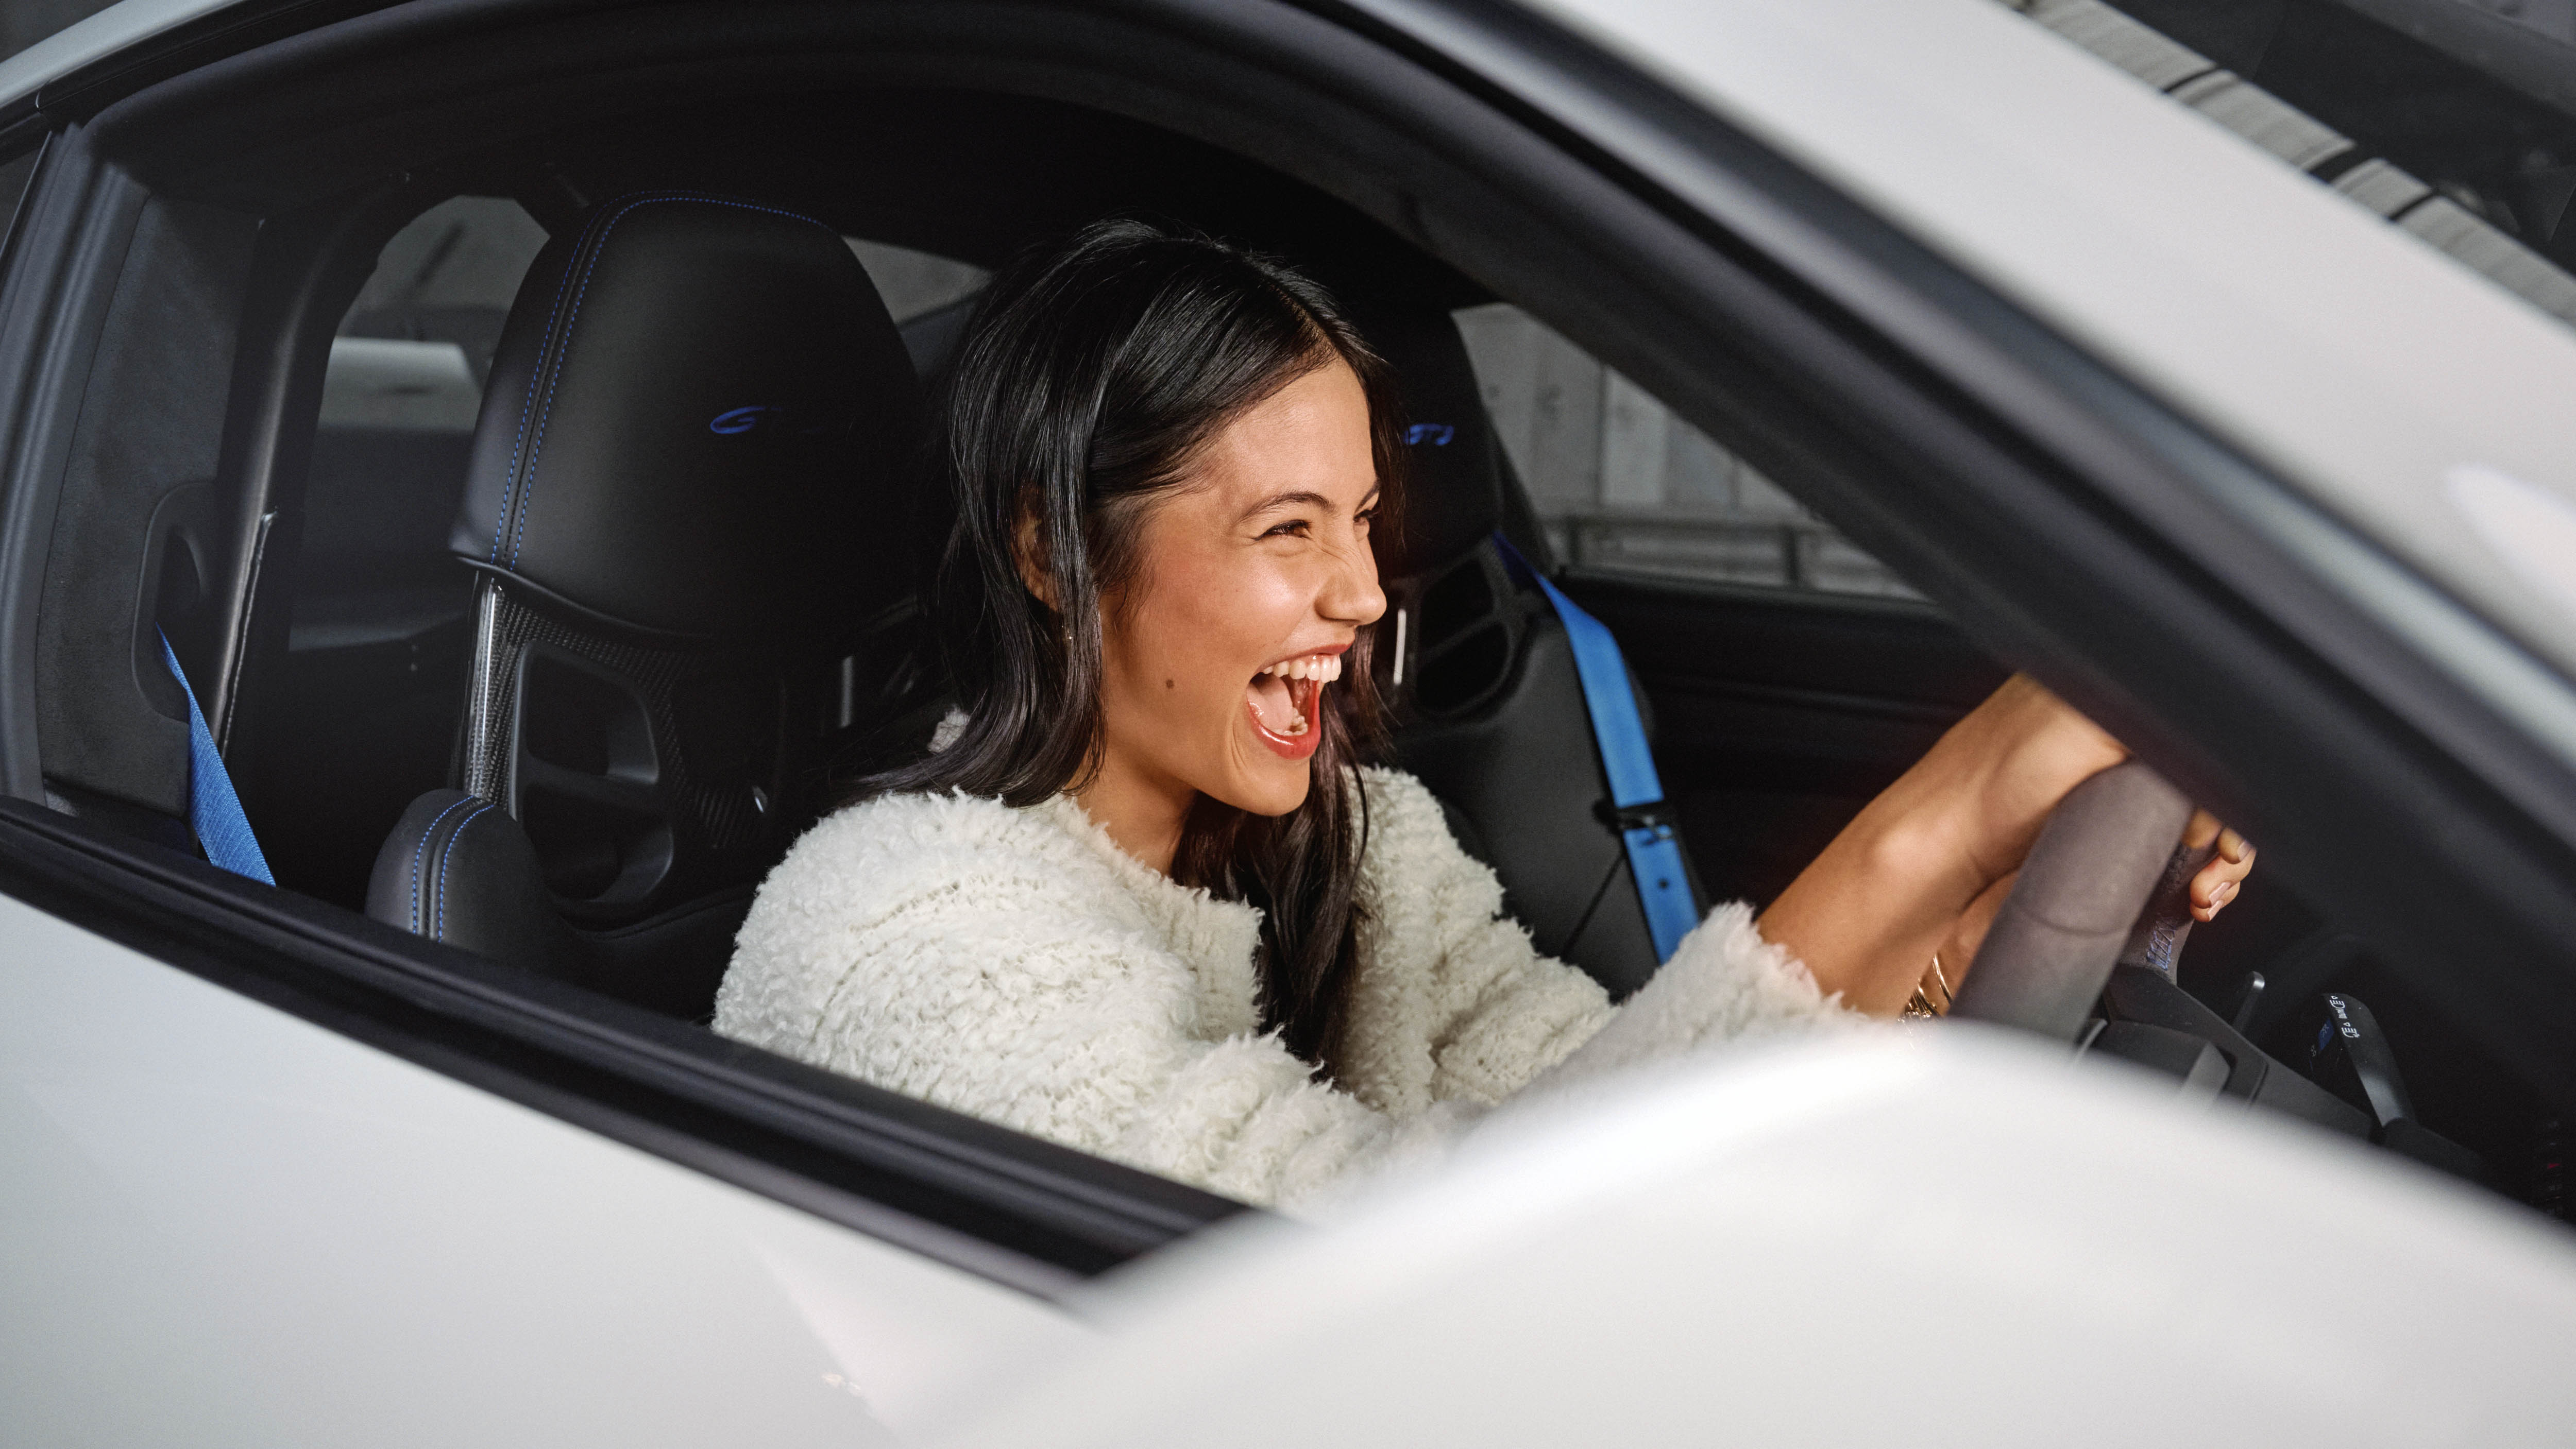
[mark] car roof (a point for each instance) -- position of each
(2341, 352)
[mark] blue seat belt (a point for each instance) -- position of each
(214, 811)
(1636, 792)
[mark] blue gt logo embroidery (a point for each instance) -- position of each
(773, 418)
(1436, 434)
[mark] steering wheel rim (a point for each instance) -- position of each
(2103, 883)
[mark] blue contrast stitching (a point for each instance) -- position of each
(598, 246)
(420, 927)
(446, 858)
(510, 478)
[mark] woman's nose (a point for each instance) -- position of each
(1351, 595)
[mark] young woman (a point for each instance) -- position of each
(1145, 896)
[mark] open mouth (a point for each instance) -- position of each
(1283, 700)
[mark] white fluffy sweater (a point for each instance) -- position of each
(1018, 966)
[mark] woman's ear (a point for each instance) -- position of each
(1028, 552)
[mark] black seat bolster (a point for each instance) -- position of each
(673, 962)
(458, 869)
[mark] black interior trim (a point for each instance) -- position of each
(67, 258)
(1022, 1212)
(240, 26)
(304, 271)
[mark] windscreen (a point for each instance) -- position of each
(2453, 121)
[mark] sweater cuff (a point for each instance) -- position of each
(1724, 983)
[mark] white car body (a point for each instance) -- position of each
(1917, 1240)
(232, 1226)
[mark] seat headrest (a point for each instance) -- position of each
(1454, 494)
(697, 426)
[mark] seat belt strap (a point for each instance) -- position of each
(214, 810)
(1644, 823)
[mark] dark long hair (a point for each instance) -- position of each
(1091, 375)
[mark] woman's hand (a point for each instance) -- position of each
(1925, 867)
(2216, 883)
(2212, 887)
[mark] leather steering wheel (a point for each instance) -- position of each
(2105, 885)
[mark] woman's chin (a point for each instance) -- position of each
(1266, 783)
(1274, 802)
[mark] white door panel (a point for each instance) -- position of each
(222, 1225)
(1918, 1237)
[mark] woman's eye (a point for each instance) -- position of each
(1293, 528)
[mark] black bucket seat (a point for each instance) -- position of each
(683, 512)
(1490, 709)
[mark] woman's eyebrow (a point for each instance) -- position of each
(1305, 498)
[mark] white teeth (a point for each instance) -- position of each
(1324, 668)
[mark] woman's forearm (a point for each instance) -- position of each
(1867, 913)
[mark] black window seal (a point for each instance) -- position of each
(1007, 1207)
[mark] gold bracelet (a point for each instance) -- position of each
(1947, 995)
(1919, 1007)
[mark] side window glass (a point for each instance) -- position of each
(447, 279)
(1619, 482)
(362, 716)
(398, 405)
(916, 284)
(931, 298)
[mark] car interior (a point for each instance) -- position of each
(573, 604)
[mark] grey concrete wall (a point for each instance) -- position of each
(1622, 483)
(913, 283)
(469, 251)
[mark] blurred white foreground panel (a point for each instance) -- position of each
(1949, 1238)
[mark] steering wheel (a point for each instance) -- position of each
(2105, 885)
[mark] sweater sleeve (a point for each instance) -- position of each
(1030, 1001)
(1492, 1016)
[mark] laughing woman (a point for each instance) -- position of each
(1148, 899)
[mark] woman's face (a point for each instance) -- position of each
(1254, 576)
